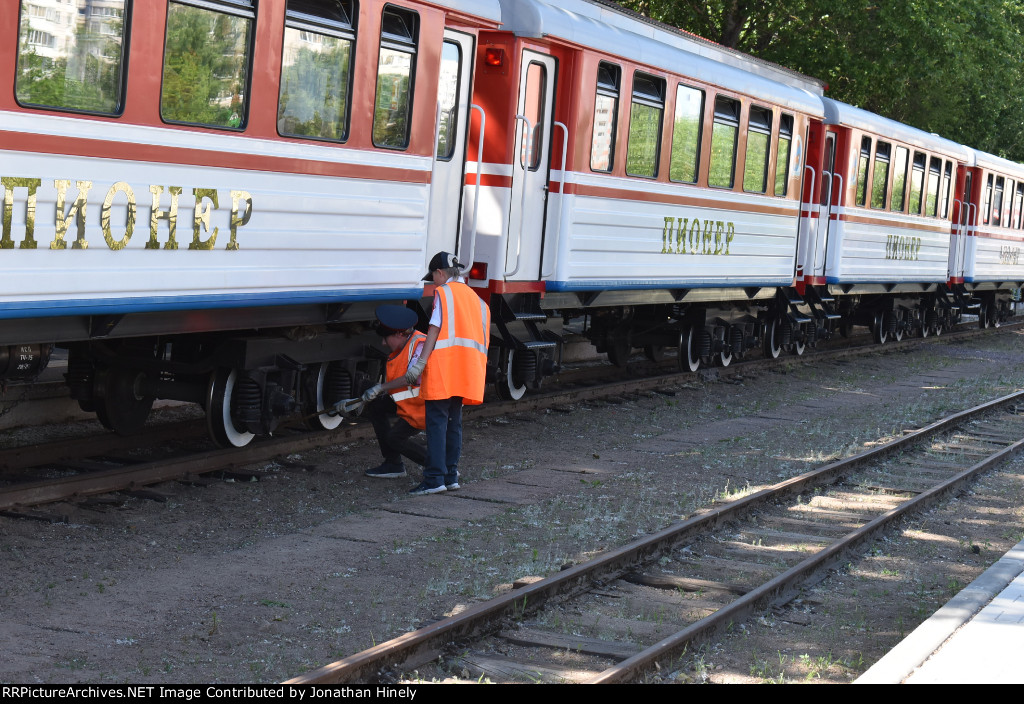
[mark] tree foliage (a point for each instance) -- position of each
(952, 67)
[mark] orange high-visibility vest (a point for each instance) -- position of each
(407, 398)
(458, 364)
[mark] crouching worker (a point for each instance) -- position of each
(396, 396)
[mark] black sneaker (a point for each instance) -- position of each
(386, 471)
(424, 488)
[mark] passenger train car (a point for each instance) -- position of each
(597, 171)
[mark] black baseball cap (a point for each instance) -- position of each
(441, 260)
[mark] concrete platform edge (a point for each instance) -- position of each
(917, 647)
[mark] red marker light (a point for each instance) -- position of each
(494, 56)
(478, 271)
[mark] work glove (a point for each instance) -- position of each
(346, 407)
(415, 371)
(373, 392)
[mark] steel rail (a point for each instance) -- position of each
(785, 585)
(141, 474)
(418, 647)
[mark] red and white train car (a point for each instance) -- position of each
(985, 257)
(669, 211)
(175, 170)
(878, 231)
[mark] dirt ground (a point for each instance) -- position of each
(257, 582)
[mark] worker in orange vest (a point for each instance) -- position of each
(453, 365)
(397, 397)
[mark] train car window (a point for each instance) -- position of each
(997, 203)
(606, 110)
(1019, 207)
(934, 176)
(988, 200)
(686, 134)
(395, 71)
(724, 134)
(534, 92)
(207, 52)
(645, 115)
(916, 183)
(782, 155)
(899, 179)
(71, 55)
(448, 100)
(759, 137)
(947, 180)
(862, 171)
(880, 175)
(316, 69)
(1008, 222)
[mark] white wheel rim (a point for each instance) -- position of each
(326, 422)
(516, 392)
(234, 436)
(692, 360)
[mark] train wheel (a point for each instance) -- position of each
(655, 353)
(325, 389)
(123, 408)
(218, 410)
(984, 320)
(508, 384)
(619, 350)
(772, 345)
(879, 330)
(688, 358)
(724, 357)
(799, 346)
(898, 332)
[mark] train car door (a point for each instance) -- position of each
(964, 227)
(828, 201)
(452, 123)
(531, 167)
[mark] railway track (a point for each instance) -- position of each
(638, 607)
(86, 467)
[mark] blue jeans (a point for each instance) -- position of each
(444, 441)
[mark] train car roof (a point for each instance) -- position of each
(485, 9)
(998, 163)
(837, 113)
(604, 25)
